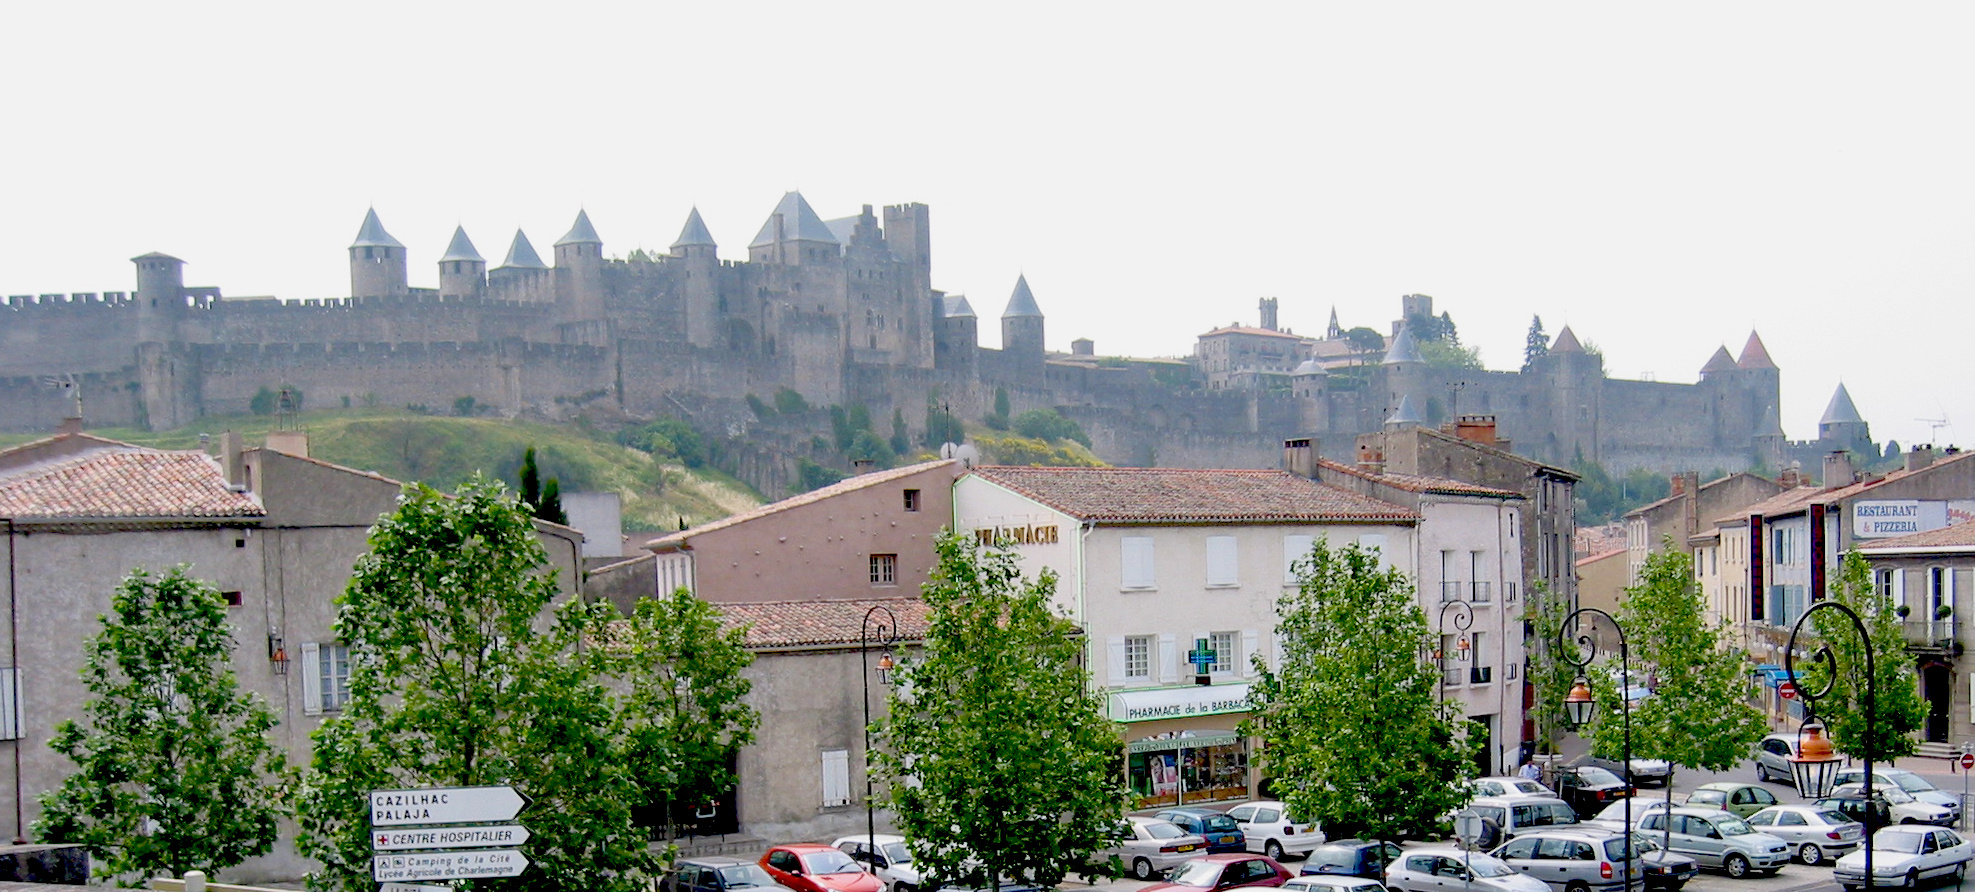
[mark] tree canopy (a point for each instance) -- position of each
(998, 758)
(174, 769)
(1897, 710)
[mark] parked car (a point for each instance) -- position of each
(1666, 871)
(1916, 786)
(1613, 817)
(1506, 817)
(1903, 856)
(1152, 847)
(1589, 788)
(1508, 786)
(1231, 871)
(1716, 838)
(1878, 815)
(1441, 868)
(1773, 757)
(886, 856)
(1655, 772)
(719, 874)
(1742, 799)
(1220, 831)
(814, 868)
(1273, 831)
(1351, 857)
(1574, 859)
(1815, 834)
(1330, 882)
(1906, 809)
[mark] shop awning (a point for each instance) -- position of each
(1193, 740)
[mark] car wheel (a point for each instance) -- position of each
(1810, 854)
(1960, 872)
(1736, 865)
(1762, 773)
(1906, 820)
(1911, 880)
(1577, 887)
(1141, 869)
(1273, 849)
(904, 887)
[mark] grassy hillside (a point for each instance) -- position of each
(444, 451)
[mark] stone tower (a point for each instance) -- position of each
(160, 297)
(579, 286)
(696, 250)
(1269, 317)
(162, 393)
(1021, 333)
(793, 236)
(522, 274)
(462, 271)
(1843, 428)
(1404, 371)
(377, 261)
(956, 340)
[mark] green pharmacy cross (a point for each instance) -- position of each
(1203, 659)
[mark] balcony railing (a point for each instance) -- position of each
(1481, 594)
(1450, 591)
(1480, 674)
(1451, 677)
(1932, 632)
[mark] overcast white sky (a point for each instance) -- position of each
(1662, 177)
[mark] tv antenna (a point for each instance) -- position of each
(66, 381)
(1934, 426)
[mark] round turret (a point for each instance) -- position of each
(377, 261)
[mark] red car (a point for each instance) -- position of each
(1232, 870)
(812, 868)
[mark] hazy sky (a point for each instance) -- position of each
(1661, 177)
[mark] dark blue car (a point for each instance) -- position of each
(1220, 831)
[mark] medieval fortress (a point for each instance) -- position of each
(841, 311)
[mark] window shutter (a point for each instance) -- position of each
(1138, 562)
(311, 678)
(10, 704)
(836, 777)
(1295, 547)
(1250, 640)
(1222, 561)
(1169, 670)
(1116, 643)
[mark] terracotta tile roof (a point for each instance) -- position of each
(1262, 332)
(1846, 492)
(122, 484)
(849, 484)
(1418, 483)
(1789, 501)
(1954, 536)
(1192, 495)
(773, 624)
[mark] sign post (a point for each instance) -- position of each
(445, 833)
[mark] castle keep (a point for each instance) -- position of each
(840, 310)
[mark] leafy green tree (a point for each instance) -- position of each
(998, 757)
(464, 406)
(1367, 342)
(668, 437)
(1049, 424)
(456, 680)
(789, 402)
(175, 771)
(840, 427)
(1897, 710)
(901, 439)
(1449, 355)
(551, 507)
(1536, 345)
(1698, 715)
(543, 500)
(1550, 676)
(942, 427)
(1384, 764)
(531, 480)
(865, 446)
(759, 407)
(812, 476)
(998, 419)
(263, 402)
(685, 716)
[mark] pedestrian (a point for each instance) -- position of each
(1530, 771)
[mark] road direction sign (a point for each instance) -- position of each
(1787, 690)
(409, 838)
(411, 887)
(447, 865)
(444, 805)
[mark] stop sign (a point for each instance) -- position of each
(1968, 761)
(1788, 690)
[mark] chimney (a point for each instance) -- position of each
(1083, 347)
(1299, 457)
(295, 443)
(1920, 457)
(229, 460)
(1790, 477)
(1476, 429)
(1838, 469)
(862, 466)
(71, 425)
(1370, 461)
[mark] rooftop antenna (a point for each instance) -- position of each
(1934, 426)
(66, 381)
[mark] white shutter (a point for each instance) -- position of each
(1169, 669)
(311, 678)
(836, 777)
(1116, 644)
(10, 704)
(1295, 547)
(1137, 560)
(1223, 561)
(1250, 640)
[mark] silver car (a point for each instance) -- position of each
(1916, 786)
(1773, 757)
(1445, 868)
(1717, 838)
(1815, 834)
(1574, 860)
(1153, 847)
(1906, 809)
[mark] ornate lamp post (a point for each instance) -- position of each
(883, 630)
(1580, 648)
(1816, 763)
(1463, 620)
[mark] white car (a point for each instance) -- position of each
(1332, 883)
(1906, 809)
(1818, 834)
(1152, 847)
(1903, 856)
(1508, 786)
(886, 857)
(1273, 831)
(1918, 787)
(1613, 817)
(1445, 868)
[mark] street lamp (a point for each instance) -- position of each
(884, 631)
(1816, 763)
(1463, 620)
(1579, 705)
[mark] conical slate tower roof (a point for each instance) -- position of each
(1023, 301)
(1309, 367)
(1841, 410)
(1403, 349)
(461, 248)
(582, 233)
(1566, 342)
(1404, 415)
(1719, 362)
(799, 223)
(521, 254)
(695, 234)
(957, 307)
(372, 234)
(1755, 355)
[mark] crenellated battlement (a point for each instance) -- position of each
(70, 301)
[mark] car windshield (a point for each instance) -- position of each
(1201, 873)
(745, 875)
(1894, 840)
(1732, 827)
(831, 861)
(1485, 866)
(1530, 786)
(1644, 844)
(1912, 783)
(1217, 822)
(1830, 816)
(1162, 830)
(1597, 777)
(897, 853)
(1615, 849)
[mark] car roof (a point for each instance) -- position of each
(1190, 810)
(1579, 831)
(1225, 857)
(713, 861)
(1696, 812)
(1726, 785)
(873, 838)
(1333, 879)
(1506, 801)
(803, 848)
(1435, 850)
(1139, 819)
